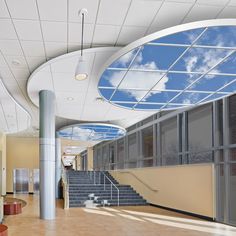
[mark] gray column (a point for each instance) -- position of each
(47, 154)
(58, 165)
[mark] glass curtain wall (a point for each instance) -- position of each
(200, 134)
(169, 142)
(204, 134)
(147, 147)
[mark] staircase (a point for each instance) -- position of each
(84, 183)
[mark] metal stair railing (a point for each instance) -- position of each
(112, 184)
(97, 179)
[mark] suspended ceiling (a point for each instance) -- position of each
(44, 29)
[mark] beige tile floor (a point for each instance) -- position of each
(117, 221)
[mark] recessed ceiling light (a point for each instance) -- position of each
(15, 62)
(69, 99)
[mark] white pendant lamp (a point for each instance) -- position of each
(81, 71)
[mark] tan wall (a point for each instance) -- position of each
(21, 153)
(188, 188)
(90, 158)
(2, 164)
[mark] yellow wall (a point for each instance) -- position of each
(2, 164)
(188, 188)
(21, 153)
(90, 158)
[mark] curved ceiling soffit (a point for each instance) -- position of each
(77, 100)
(119, 90)
(13, 117)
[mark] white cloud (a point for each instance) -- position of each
(139, 80)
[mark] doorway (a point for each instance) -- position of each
(21, 180)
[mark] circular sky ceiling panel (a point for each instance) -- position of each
(177, 67)
(92, 132)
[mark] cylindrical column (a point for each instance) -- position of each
(47, 154)
(58, 165)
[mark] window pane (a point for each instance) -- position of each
(112, 153)
(220, 192)
(200, 128)
(219, 140)
(169, 142)
(132, 147)
(203, 157)
(232, 194)
(147, 142)
(120, 154)
(147, 163)
(105, 157)
(232, 119)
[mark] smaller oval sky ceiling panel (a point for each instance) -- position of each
(185, 65)
(92, 132)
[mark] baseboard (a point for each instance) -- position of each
(185, 212)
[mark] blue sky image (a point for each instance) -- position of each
(92, 132)
(185, 68)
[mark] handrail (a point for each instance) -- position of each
(112, 184)
(141, 181)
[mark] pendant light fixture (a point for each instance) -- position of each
(81, 72)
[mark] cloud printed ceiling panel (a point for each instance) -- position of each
(185, 65)
(92, 132)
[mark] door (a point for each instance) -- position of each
(21, 180)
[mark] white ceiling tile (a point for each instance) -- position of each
(188, 1)
(112, 12)
(212, 2)
(33, 48)
(7, 29)
(76, 5)
(228, 12)
(23, 9)
(28, 29)
(232, 3)
(9, 81)
(20, 59)
(54, 49)
(3, 9)
(66, 82)
(44, 80)
(145, 10)
(2, 61)
(63, 98)
(21, 74)
(75, 47)
(106, 34)
(66, 65)
(53, 10)
(202, 12)
(35, 62)
(10, 47)
(54, 31)
(178, 11)
(129, 34)
(6, 73)
(75, 33)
